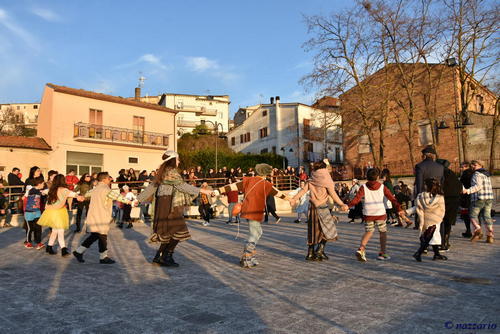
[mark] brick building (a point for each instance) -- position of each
(384, 119)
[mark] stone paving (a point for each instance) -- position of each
(210, 293)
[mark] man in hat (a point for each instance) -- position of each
(428, 168)
(481, 193)
(255, 189)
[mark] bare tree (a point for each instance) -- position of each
(346, 57)
(472, 39)
(8, 121)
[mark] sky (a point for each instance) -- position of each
(249, 50)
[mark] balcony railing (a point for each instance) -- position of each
(199, 110)
(120, 136)
(187, 124)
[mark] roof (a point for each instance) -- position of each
(108, 98)
(36, 143)
(327, 101)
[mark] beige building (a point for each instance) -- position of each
(92, 132)
(23, 153)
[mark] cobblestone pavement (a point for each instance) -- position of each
(210, 293)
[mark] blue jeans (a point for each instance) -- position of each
(117, 214)
(482, 209)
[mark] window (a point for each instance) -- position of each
(425, 134)
(132, 160)
(274, 149)
(364, 144)
(480, 104)
(263, 132)
(337, 154)
(264, 113)
(18, 108)
(248, 136)
(241, 139)
(165, 140)
(35, 106)
(138, 127)
(308, 151)
(83, 162)
(307, 128)
(95, 116)
(233, 141)
(263, 151)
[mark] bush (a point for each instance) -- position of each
(206, 159)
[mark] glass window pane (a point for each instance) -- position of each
(83, 169)
(96, 169)
(71, 167)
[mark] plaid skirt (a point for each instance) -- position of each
(321, 225)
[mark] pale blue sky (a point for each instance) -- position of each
(250, 50)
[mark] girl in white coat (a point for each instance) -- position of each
(429, 205)
(303, 203)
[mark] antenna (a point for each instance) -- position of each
(141, 80)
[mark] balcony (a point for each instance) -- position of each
(187, 124)
(199, 110)
(93, 133)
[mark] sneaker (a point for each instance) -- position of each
(28, 245)
(477, 235)
(205, 224)
(467, 235)
(278, 221)
(296, 221)
(130, 225)
(361, 255)
(78, 256)
(229, 222)
(490, 240)
(383, 257)
(394, 223)
(352, 221)
(39, 246)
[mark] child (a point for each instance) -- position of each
(430, 210)
(303, 204)
(205, 205)
(127, 208)
(373, 195)
(4, 203)
(56, 215)
(99, 218)
(232, 199)
(32, 213)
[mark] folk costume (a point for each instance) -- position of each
(169, 200)
(321, 225)
(256, 189)
(99, 217)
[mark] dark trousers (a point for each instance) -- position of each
(450, 216)
(204, 210)
(425, 239)
(127, 208)
(272, 212)
(79, 212)
(93, 237)
(168, 247)
(35, 230)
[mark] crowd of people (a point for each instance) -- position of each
(437, 197)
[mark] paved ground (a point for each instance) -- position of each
(209, 293)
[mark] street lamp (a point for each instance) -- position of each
(216, 128)
(460, 121)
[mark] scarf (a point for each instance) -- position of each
(321, 178)
(179, 198)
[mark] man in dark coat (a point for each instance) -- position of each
(452, 188)
(466, 178)
(427, 169)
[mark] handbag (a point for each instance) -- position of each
(135, 213)
(238, 206)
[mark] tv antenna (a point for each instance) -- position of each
(141, 80)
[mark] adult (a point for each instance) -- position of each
(14, 180)
(428, 168)
(256, 189)
(357, 211)
(132, 179)
(271, 210)
(35, 173)
(385, 176)
(71, 179)
(199, 172)
(171, 195)
(481, 193)
(452, 188)
(122, 178)
(466, 179)
(321, 226)
(302, 173)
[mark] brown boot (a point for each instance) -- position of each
(489, 239)
(477, 235)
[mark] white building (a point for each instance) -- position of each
(193, 109)
(25, 114)
(294, 130)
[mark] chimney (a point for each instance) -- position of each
(271, 100)
(277, 99)
(137, 93)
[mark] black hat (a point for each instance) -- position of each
(429, 149)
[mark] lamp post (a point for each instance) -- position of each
(460, 121)
(216, 128)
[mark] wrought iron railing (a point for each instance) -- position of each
(101, 133)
